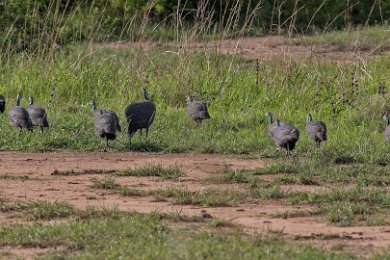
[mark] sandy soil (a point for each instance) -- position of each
(254, 218)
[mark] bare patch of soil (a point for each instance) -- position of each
(26, 253)
(266, 48)
(254, 218)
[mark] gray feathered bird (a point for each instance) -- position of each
(316, 130)
(197, 110)
(106, 124)
(140, 115)
(387, 130)
(37, 114)
(19, 116)
(284, 135)
(2, 104)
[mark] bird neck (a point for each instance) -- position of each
(387, 121)
(270, 119)
(30, 101)
(18, 101)
(189, 100)
(309, 118)
(145, 94)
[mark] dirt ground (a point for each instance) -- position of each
(254, 218)
(264, 49)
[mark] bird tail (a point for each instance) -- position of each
(293, 136)
(321, 136)
(207, 116)
(45, 122)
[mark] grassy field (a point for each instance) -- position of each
(350, 98)
(106, 234)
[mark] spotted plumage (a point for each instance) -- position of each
(37, 114)
(316, 130)
(106, 124)
(140, 115)
(19, 116)
(284, 135)
(197, 110)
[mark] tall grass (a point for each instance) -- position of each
(345, 97)
(350, 97)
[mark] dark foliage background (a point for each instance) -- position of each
(36, 24)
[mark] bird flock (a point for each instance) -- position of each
(140, 115)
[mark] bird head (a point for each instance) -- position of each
(269, 115)
(30, 100)
(18, 98)
(386, 119)
(145, 94)
(189, 99)
(93, 104)
(309, 118)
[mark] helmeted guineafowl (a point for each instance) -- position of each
(37, 114)
(2, 104)
(19, 116)
(140, 115)
(197, 110)
(106, 124)
(387, 130)
(284, 135)
(316, 130)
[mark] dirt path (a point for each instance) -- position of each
(266, 48)
(254, 218)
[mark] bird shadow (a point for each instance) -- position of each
(145, 147)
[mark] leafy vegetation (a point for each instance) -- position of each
(42, 26)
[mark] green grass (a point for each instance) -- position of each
(74, 173)
(359, 204)
(314, 172)
(171, 172)
(39, 210)
(360, 39)
(107, 183)
(352, 109)
(140, 236)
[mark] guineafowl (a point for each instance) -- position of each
(387, 130)
(140, 115)
(316, 130)
(284, 135)
(197, 110)
(37, 114)
(19, 116)
(2, 104)
(106, 124)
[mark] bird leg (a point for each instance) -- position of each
(140, 133)
(104, 149)
(318, 145)
(147, 132)
(41, 129)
